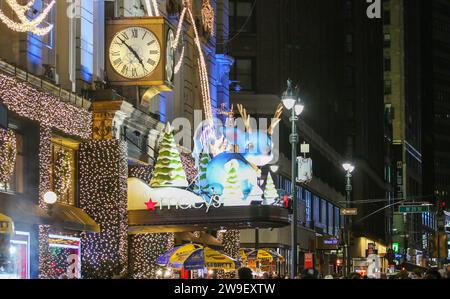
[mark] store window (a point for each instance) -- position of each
(63, 168)
(15, 255)
(15, 184)
(308, 206)
(330, 219)
(65, 256)
(20, 255)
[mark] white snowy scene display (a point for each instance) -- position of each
(270, 192)
(168, 170)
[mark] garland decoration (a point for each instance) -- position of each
(8, 154)
(26, 25)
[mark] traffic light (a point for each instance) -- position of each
(441, 205)
(287, 202)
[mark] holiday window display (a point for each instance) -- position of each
(62, 175)
(228, 176)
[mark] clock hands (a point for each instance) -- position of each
(134, 53)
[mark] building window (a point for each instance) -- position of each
(15, 184)
(308, 206)
(348, 9)
(63, 169)
(387, 87)
(330, 219)
(349, 43)
(386, 17)
(242, 72)
(242, 16)
(316, 207)
(387, 64)
(349, 76)
(387, 40)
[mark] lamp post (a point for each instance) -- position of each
(349, 168)
(293, 103)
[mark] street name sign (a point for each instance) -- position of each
(349, 212)
(414, 209)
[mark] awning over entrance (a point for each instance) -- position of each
(202, 238)
(22, 210)
(72, 218)
(178, 220)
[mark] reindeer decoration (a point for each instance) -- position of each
(249, 147)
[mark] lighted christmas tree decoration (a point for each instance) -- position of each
(8, 154)
(169, 170)
(202, 182)
(270, 193)
(26, 25)
(232, 188)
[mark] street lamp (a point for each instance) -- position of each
(293, 103)
(349, 168)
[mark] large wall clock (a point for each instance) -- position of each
(140, 52)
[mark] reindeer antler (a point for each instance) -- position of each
(245, 117)
(276, 119)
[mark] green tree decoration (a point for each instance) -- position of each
(270, 192)
(169, 170)
(8, 154)
(202, 182)
(232, 188)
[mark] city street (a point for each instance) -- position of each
(198, 144)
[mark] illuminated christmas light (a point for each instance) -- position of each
(202, 69)
(8, 154)
(27, 25)
(208, 17)
(63, 172)
(103, 192)
(48, 110)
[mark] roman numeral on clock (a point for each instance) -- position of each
(151, 43)
(153, 52)
(134, 72)
(124, 70)
(118, 61)
(151, 61)
(125, 35)
(115, 53)
(135, 33)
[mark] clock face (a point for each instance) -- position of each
(170, 56)
(134, 52)
(134, 8)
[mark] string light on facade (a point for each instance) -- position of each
(27, 25)
(48, 110)
(44, 186)
(8, 154)
(202, 69)
(144, 250)
(63, 172)
(103, 192)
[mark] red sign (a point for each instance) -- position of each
(309, 262)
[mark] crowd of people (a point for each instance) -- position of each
(246, 273)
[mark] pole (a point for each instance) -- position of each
(294, 141)
(348, 223)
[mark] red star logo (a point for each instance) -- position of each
(150, 205)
